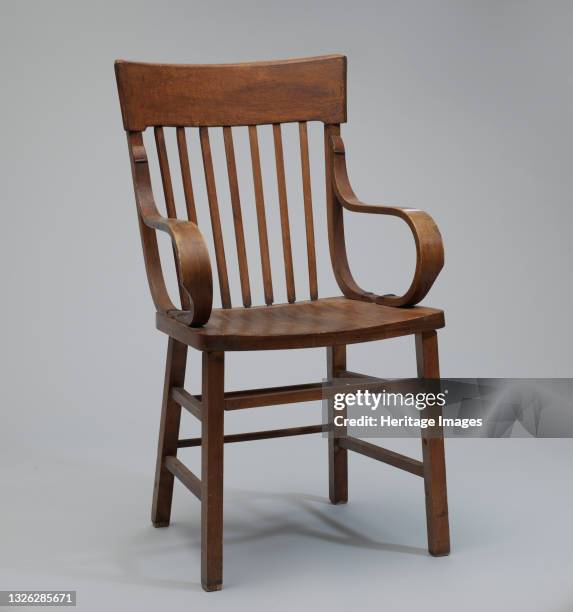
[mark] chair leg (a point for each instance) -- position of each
(168, 433)
(212, 471)
(433, 454)
(337, 456)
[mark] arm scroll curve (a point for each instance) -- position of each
(192, 260)
(429, 246)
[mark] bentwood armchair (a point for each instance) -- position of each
(162, 96)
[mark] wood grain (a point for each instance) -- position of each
(429, 247)
(191, 255)
(383, 454)
(184, 474)
(258, 435)
(165, 173)
(308, 214)
(307, 324)
(168, 433)
(215, 218)
(261, 216)
(212, 471)
(433, 454)
(237, 216)
(187, 401)
(163, 96)
(304, 89)
(283, 208)
(186, 175)
(337, 453)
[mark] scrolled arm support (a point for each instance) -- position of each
(192, 260)
(429, 246)
(193, 269)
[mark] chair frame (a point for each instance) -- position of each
(308, 89)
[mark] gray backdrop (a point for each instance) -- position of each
(459, 108)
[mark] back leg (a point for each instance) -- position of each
(168, 433)
(433, 453)
(337, 456)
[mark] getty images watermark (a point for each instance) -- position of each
(469, 407)
(376, 401)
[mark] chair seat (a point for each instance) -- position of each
(323, 322)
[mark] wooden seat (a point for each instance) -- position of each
(164, 98)
(323, 322)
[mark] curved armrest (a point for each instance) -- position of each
(191, 255)
(193, 268)
(429, 246)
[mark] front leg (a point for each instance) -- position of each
(213, 403)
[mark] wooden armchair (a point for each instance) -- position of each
(251, 94)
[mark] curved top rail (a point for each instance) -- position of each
(303, 89)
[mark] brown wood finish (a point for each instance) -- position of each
(169, 199)
(429, 248)
(258, 435)
(184, 474)
(261, 217)
(190, 251)
(337, 454)
(186, 175)
(285, 225)
(237, 216)
(383, 454)
(433, 452)
(271, 396)
(310, 324)
(168, 433)
(162, 97)
(254, 398)
(189, 402)
(212, 471)
(350, 374)
(165, 173)
(303, 89)
(215, 218)
(308, 214)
